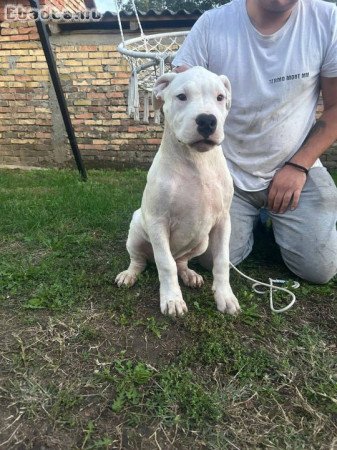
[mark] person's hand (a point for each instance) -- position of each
(285, 189)
(181, 68)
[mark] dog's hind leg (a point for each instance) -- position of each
(139, 250)
(190, 277)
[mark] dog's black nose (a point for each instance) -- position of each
(206, 124)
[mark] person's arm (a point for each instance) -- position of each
(288, 182)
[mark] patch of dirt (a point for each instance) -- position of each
(44, 354)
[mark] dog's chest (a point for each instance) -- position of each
(194, 212)
(213, 196)
(200, 203)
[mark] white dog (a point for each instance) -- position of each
(185, 205)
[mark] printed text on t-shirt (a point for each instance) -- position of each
(295, 76)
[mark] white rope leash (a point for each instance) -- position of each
(138, 20)
(118, 9)
(272, 287)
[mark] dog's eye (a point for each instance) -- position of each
(182, 97)
(220, 97)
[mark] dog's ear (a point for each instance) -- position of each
(159, 88)
(228, 87)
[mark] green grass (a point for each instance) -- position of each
(86, 365)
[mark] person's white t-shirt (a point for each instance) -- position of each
(274, 78)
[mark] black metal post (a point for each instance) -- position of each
(43, 33)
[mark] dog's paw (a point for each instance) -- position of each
(126, 277)
(191, 278)
(227, 302)
(173, 307)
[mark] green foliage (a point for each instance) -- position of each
(173, 5)
(172, 394)
(334, 176)
(179, 397)
(176, 5)
(127, 379)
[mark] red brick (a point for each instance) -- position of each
(19, 37)
(26, 30)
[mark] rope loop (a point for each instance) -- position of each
(272, 288)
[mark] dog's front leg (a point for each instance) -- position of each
(219, 245)
(171, 299)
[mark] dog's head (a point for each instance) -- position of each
(195, 103)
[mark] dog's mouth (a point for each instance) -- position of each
(203, 145)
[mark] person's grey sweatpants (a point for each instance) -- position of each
(307, 236)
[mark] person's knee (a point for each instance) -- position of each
(315, 271)
(319, 275)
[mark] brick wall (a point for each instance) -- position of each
(26, 127)
(25, 118)
(95, 79)
(68, 5)
(25, 130)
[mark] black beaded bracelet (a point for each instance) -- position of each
(297, 166)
